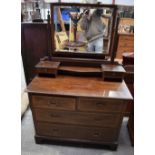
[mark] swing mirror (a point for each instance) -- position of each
(82, 29)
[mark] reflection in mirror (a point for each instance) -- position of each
(126, 22)
(82, 29)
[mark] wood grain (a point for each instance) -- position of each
(77, 118)
(79, 86)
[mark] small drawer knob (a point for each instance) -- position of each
(96, 134)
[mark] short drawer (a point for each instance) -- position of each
(78, 118)
(76, 132)
(101, 105)
(113, 74)
(53, 102)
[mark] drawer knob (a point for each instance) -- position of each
(96, 134)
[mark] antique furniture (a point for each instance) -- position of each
(112, 72)
(78, 109)
(34, 37)
(129, 80)
(77, 105)
(128, 58)
(125, 44)
(128, 64)
(47, 67)
(125, 38)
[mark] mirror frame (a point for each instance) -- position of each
(112, 50)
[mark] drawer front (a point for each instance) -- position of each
(78, 118)
(113, 74)
(101, 105)
(76, 132)
(52, 102)
(46, 70)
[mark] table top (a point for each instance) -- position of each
(79, 87)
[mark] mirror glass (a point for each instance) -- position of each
(82, 29)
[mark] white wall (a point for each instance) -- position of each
(125, 2)
(119, 2)
(24, 96)
(23, 83)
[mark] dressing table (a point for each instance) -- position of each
(76, 104)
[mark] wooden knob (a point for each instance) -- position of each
(96, 134)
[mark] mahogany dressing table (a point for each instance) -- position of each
(76, 104)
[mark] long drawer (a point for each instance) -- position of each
(100, 105)
(53, 102)
(76, 132)
(78, 118)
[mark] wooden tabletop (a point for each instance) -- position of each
(79, 86)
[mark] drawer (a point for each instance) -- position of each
(53, 102)
(113, 74)
(76, 132)
(78, 118)
(100, 105)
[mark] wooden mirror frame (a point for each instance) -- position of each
(64, 56)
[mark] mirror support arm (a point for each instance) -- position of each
(115, 37)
